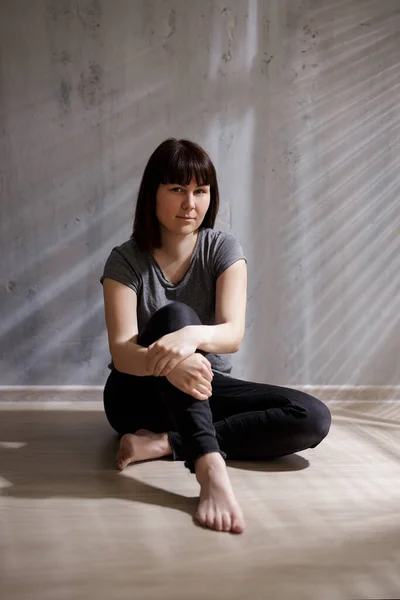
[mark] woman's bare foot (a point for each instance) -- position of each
(218, 508)
(142, 445)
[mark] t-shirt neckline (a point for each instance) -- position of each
(161, 275)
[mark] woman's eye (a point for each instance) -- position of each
(179, 189)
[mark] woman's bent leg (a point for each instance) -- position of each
(132, 402)
(218, 508)
(261, 421)
(191, 418)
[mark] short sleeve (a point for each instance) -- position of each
(118, 267)
(228, 251)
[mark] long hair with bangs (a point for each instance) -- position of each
(174, 161)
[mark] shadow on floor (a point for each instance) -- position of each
(71, 453)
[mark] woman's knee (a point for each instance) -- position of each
(178, 312)
(316, 424)
(320, 419)
(170, 317)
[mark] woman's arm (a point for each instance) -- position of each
(221, 338)
(120, 314)
(230, 313)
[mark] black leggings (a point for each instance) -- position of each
(241, 420)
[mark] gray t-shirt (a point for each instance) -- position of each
(215, 251)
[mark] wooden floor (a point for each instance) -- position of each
(323, 524)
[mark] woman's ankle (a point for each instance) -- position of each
(165, 444)
(207, 463)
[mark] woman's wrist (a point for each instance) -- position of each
(197, 334)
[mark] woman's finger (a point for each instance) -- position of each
(209, 368)
(200, 395)
(156, 364)
(171, 363)
(168, 365)
(160, 361)
(163, 367)
(205, 388)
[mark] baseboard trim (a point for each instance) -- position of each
(94, 393)
(352, 392)
(51, 393)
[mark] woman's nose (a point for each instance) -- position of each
(189, 200)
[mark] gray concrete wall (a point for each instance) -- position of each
(298, 104)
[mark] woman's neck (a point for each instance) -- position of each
(177, 247)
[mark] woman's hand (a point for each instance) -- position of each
(170, 350)
(193, 376)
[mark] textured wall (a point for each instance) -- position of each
(297, 103)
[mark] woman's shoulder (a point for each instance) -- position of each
(217, 235)
(224, 249)
(128, 248)
(127, 252)
(215, 239)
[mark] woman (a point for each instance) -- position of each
(175, 304)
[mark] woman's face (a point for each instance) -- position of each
(174, 201)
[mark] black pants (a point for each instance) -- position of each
(241, 420)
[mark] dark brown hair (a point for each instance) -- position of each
(174, 161)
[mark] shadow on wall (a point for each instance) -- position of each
(285, 117)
